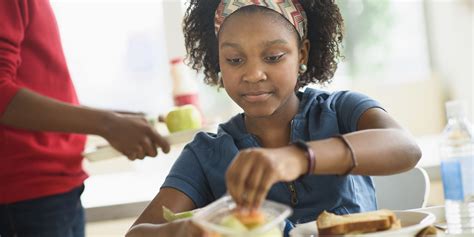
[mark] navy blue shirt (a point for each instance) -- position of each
(200, 170)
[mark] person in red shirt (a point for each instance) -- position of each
(42, 127)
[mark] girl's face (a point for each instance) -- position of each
(259, 60)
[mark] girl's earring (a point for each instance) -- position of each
(219, 80)
(303, 69)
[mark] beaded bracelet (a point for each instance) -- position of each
(353, 155)
(311, 158)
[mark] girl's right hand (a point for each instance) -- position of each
(253, 171)
(133, 136)
(187, 228)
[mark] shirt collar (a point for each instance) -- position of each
(235, 127)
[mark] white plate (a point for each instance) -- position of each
(108, 152)
(412, 222)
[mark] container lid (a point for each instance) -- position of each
(456, 108)
(176, 60)
(210, 217)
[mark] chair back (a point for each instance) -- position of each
(402, 191)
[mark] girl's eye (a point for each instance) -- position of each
(274, 59)
(234, 61)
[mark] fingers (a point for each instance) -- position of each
(135, 154)
(257, 187)
(186, 228)
(266, 182)
(146, 148)
(154, 148)
(162, 119)
(236, 176)
(250, 177)
(229, 180)
(135, 137)
(154, 139)
(130, 156)
(197, 231)
(149, 147)
(240, 180)
(160, 141)
(140, 153)
(251, 186)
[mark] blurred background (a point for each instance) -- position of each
(411, 55)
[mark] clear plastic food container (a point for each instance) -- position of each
(211, 217)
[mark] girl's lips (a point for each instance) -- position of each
(257, 97)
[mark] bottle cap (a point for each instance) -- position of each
(456, 108)
(176, 60)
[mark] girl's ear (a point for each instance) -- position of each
(304, 52)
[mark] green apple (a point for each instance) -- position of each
(183, 118)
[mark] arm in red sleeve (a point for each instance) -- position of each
(17, 103)
(23, 107)
(13, 21)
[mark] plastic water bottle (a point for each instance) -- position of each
(457, 169)
(185, 88)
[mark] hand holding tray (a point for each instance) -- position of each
(108, 152)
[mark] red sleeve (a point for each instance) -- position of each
(13, 21)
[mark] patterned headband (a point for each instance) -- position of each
(290, 9)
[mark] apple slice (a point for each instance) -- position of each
(170, 216)
(250, 219)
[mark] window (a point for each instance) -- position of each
(385, 41)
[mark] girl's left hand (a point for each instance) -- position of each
(253, 172)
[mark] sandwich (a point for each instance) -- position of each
(332, 224)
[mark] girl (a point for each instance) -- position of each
(287, 145)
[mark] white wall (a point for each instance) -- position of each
(116, 53)
(173, 18)
(451, 39)
(419, 104)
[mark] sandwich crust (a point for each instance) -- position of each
(331, 224)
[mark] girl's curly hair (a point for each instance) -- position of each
(325, 33)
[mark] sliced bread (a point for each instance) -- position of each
(331, 224)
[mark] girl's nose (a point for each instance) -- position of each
(254, 74)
